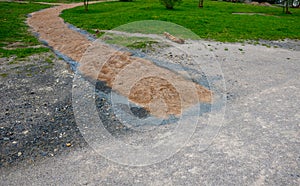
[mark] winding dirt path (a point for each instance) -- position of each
(52, 29)
(160, 91)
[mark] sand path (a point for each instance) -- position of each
(160, 91)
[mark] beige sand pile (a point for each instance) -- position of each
(159, 90)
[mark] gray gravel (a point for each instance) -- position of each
(258, 143)
(36, 114)
(286, 44)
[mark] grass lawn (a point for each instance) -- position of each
(58, 1)
(215, 21)
(15, 39)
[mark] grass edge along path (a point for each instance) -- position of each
(216, 21)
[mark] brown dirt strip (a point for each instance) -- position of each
(52, 29)
(159, 90)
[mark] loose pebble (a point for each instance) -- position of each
(68, 144)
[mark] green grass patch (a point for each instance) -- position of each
(130, 42)
(13, 29)
(142, 44)
(215, 21)
(22, 52)
(4, 75)
(57, 1)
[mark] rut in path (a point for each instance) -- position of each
(158, 90)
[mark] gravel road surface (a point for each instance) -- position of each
(258, 143)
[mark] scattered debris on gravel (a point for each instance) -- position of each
(36, 114)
